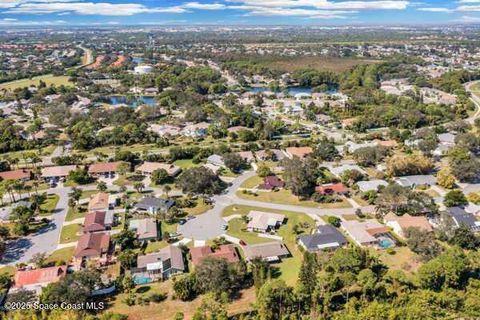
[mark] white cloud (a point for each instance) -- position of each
(203, 6)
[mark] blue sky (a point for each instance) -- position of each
(226, 12)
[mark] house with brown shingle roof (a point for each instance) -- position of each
(401, 223)
(93, 246)
(145, 229)
(300, 152)
(147, 168)
(226, 251)
(270, 252)
(99, 202)
(105, 169)
(95, 222)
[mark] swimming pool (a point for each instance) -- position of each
(141, 280)
(386, 243)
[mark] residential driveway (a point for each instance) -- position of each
(46, 240)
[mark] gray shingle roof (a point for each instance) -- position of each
(325, 237)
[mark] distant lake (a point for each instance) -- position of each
(137, 60)
(294, 90)
(135, 102)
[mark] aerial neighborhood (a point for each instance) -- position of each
(180, 175)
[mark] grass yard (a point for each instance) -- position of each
(76, 213)
(155, 246)
(61, 255)
(70, 233)
(10, 270)
(168, 227)
(403, 259)
(48, 79)
(185, 164)
(48, 206)
(168, 308)
(252, 182)
(281, 197)
(289, 267)
(88, 193)
(200, 208)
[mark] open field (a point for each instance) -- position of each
(292, 64)
(48, 79)
(168, 308)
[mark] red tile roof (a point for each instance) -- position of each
(39, 276)
(226, 251)
(15, 174)
(332, 188)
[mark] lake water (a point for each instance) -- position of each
(137, 60)
(137, 101)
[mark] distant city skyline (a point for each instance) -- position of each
(236, 12)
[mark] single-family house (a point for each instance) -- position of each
(372, 185)
(247, 156)
(99, 202)
(159, 265)
(57, 173)
(154, 205)
(270, 251)
(147, 168)
(36, 279)
(197, 130)
(104, 169)
(216, 160)
(16, 175)
(271, 183)
(226, 251)
(300, 152)
(332, 188)
(417, 181)
(366, 233)
(93, 246)
(461, 217)
(326, 237)
(97, 221)
(401, 223)
(145, 229)
(264, 221)
(340, 170)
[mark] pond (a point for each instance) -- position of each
(137, 60)
(133, 102)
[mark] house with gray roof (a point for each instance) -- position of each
(461, 217)
(145, 229)
(159, 265)
(327, 237)
(416, 181)
(270, 251)
(154, 205)
(372, 185)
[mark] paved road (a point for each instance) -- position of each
(210, 224)
(46, 240)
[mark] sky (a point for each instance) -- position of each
(236, 12)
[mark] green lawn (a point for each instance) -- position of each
(289, 267)
(281, 197)
(61, 255)
(48, 206)
(200, 208)
(252, 182)
(70, 233)
(76, 213)
(48, 79)
(155, 246)
(168, 227)
(88, 193)
(185, 164)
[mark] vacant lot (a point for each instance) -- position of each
(48, 79)
(292, 64)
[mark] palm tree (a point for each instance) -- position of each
(102, 186)
(9, 189)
